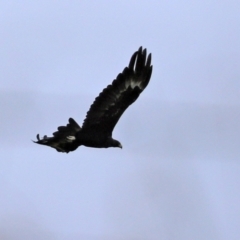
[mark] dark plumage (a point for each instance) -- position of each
(106, 110)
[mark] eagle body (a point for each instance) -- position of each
(106, 110)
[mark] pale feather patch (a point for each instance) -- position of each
(133, 83)
(116, 112)
(130, 83)
(70, 138)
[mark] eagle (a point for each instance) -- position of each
(106, 109)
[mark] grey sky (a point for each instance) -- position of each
(177, 176)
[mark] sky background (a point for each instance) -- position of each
(177, 176)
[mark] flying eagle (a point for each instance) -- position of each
(106, 110)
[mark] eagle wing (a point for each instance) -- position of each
(111, 103)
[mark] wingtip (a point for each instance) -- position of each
(38, 138)
(132, 60)
(144, 52)
(149, 60)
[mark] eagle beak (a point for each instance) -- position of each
(120, 145)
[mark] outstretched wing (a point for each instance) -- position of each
(111, 103)
(64, 139)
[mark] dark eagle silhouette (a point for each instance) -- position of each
(106, 110)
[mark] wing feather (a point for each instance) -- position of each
(63, 139)
(111, 103)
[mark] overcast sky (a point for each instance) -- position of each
(177, 176)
